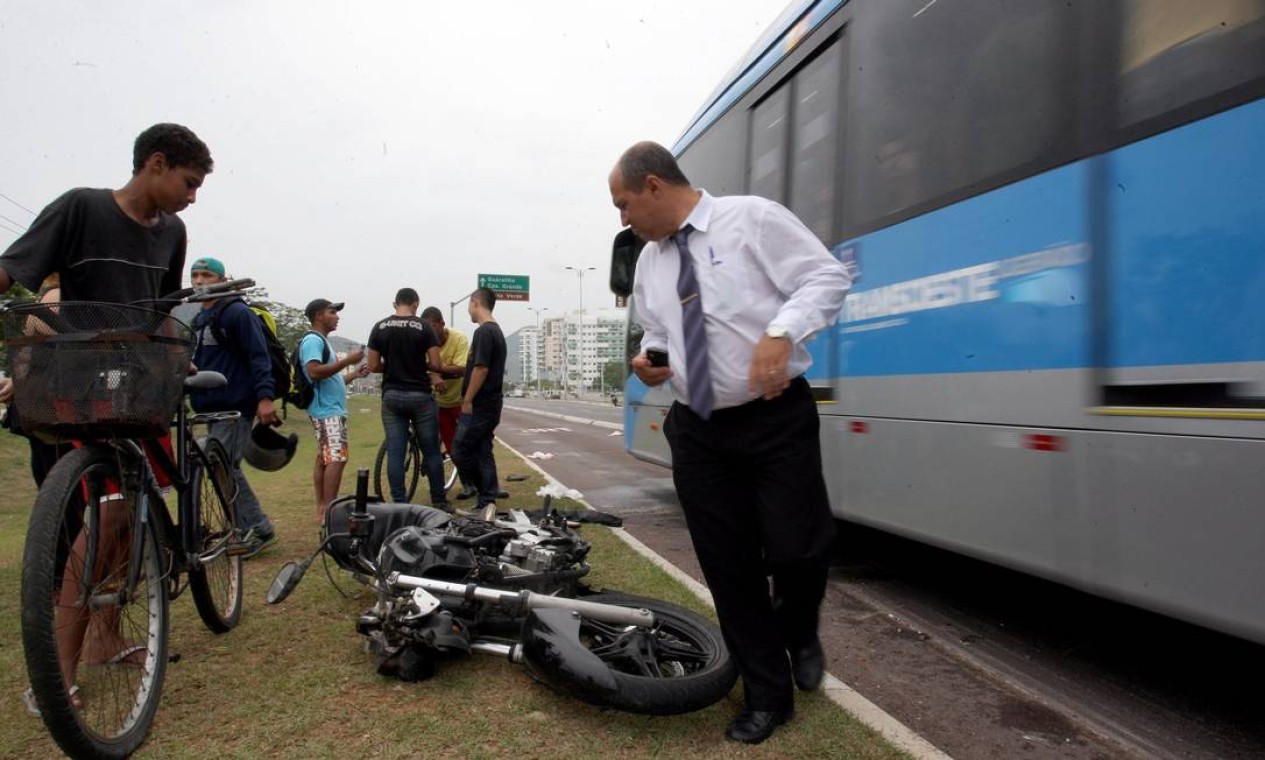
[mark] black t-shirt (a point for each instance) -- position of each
(403, 343)
(487, 349)
(101, 253)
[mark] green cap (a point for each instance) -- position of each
(208, 264)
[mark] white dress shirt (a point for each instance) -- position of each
(757, 266)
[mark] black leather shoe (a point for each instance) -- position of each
(754, 726)
(467, 492)
(808, 665)
(502, 494)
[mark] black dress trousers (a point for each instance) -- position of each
(751, 487)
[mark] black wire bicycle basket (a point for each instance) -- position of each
(85, 370)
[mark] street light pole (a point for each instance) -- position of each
(540, 344)
(580, 333)
(453, 304)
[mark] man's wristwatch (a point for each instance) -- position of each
(777, 331)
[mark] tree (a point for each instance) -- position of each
(291, 323)
(613, 375)
(17, 294)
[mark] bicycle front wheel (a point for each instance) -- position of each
(94, 608)
(412, 472)
(216, 582)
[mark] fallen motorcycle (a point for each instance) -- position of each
(448, 586)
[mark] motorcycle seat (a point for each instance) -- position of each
(387, 518)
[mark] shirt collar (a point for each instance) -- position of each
(701, 216)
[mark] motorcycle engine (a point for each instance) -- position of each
(530, 552)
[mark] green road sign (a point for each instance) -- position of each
(507, 287)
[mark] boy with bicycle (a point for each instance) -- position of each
(113, 246)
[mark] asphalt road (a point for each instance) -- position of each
(982, 662)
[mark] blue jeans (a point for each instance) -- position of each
(233, 434)
(472, 451)
(415, 410)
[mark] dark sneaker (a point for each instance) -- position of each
(257, 541)
(444, 505)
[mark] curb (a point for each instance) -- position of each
(865, 711)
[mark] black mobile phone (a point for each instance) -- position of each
(657, 358)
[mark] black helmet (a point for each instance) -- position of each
(268, 450)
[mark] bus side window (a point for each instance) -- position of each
(815, 141)
(1175, 53)
(767, 176)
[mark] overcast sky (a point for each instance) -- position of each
(363, 146)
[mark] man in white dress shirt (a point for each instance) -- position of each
(731, 288)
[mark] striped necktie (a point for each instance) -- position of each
(702, 397)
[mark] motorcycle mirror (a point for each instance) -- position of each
(287, 579)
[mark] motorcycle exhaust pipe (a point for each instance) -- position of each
(528, 600)
(514, 652)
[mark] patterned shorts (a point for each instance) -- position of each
(331, 439)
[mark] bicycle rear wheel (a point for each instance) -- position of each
(217, 583)
(94, 608)
(412, 472)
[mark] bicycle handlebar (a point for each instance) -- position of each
(209, 292)
(196, 295)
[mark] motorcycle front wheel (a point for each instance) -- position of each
(678, 666)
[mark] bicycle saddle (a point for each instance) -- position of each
(205, 380)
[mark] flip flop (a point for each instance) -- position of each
(124, 653)
(28, 699)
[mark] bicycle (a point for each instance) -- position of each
(103, 555)
(412, 471)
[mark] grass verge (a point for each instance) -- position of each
(293, 680)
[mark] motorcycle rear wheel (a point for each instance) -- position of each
(679, 666)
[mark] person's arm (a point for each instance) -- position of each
(477, 376)
(39, 251)
(312, 350)
(480, 363)
(655, 335)
(376, 361)
(318, 371)
(433, 362)
(796, 262)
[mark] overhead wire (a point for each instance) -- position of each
(14, 222)
(15, 203)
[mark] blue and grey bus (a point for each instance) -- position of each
(1053, 356)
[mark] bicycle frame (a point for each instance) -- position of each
(179, 538)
